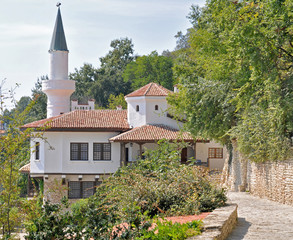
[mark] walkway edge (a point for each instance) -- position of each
(219, 224)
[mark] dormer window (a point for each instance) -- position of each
(156, 107)
(137, 108)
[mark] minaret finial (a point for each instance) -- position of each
(58, 4)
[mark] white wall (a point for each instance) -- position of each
(134, 151)
(58, 88)
(58, 93)
(55, 154)
(37, 166)
(147, 113)
(135, 118)
(202, 154)
(58, 65)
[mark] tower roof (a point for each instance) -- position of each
(151, 89)
(58, 42)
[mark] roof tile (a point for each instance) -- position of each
(151, 133)
(85, 119)
(25, 169)
(151, 89)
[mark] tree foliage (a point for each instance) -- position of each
(37, 110)
(101, 82)
(236, 76)
(115, 101)
(14, 153)
(150, 68)
(84, 80)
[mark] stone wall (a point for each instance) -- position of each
(55, 187)
(219, 224)
(272, 180)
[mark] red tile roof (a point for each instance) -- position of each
(25, 169)
(85, 120)
(152, 133)
(151, 89)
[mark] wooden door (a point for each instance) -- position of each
(184, 156)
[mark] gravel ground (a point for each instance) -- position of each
(261, 219)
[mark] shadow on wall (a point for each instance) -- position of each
(240, 230)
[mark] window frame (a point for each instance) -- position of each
(82, 189)
(79, 158)
(37, 151)
(102, 144)
(156, 107)
(213, 153)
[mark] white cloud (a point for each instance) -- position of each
(17, 30)
(134, 8)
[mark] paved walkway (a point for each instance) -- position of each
(261, 219)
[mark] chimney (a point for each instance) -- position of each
(119, 107)
(91, 103)
(176, 90)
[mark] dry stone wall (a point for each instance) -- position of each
(272, 180)
(219, 224)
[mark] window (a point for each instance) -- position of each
(215, 152)
(137, 108)
(156, 107)
(102, 151)
(37, 151)
(79, 151)
(81, 189)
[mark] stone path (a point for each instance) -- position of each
(261, 219)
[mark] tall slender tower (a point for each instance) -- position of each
(58, 88)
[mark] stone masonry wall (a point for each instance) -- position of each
(272, 180)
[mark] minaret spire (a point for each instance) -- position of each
(58, 42)
(58, 88)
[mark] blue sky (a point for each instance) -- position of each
(26, 28)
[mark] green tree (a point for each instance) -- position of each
(100, 83)
(37, 111)
(14, 152)
(115, 101)
(236, 76)
(84, 78)
(109, 79)
(150, 68)
(181, 41)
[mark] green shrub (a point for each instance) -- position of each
(159, 184)
(51, 222)
(167, 230)
(125, 204)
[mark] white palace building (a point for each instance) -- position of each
(81, 146)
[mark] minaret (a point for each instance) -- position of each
(58, 88)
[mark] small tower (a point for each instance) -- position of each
(58, 88)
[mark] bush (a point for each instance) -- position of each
(125, 204)
(159, 184)
(167, 230)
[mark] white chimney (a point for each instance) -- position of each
(176, 90)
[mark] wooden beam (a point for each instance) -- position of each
(140, 149)
(122, 157)
(28, 184)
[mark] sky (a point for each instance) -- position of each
(26, 28)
